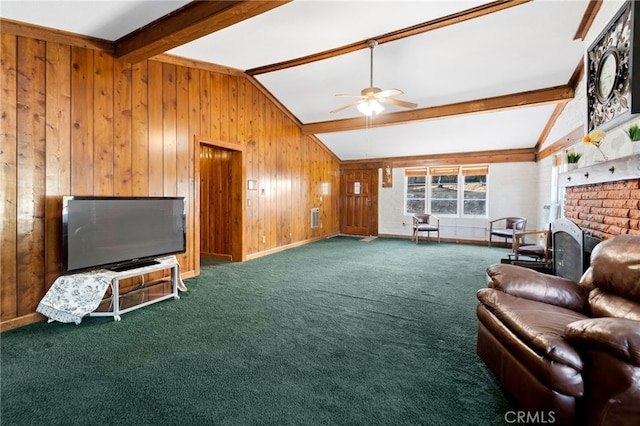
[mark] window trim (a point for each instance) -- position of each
(463, 171)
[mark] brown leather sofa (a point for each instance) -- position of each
(566, 352)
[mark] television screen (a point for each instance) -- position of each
(120, 232)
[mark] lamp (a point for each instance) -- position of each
(370, 107)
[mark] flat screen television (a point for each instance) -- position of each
(120, 233)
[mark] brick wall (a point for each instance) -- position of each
(605, 209)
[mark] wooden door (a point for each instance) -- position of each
(220, 173)
(360, 202)
(215, 201)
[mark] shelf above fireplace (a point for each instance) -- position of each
(623, 168)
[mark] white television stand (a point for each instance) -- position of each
(116, 310)
(71, 297)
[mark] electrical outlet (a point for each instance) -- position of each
(264, 239)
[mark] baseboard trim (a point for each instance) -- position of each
(442, 239)
(21, 321)
(217, 256)
(288, 246)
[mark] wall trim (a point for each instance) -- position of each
(288, 246)
(38, 32)
(21, 321)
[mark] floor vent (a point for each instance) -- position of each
(315, 217)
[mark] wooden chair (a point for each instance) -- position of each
(511, 226)
(539, 252)
(424, 222)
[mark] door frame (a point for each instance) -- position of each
(238, 195)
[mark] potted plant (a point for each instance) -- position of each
(634, 134)
(572, 159)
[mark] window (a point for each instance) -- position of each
(444, 190)
(416, 195)
(474, 197)
(451, 190)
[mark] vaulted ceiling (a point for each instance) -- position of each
(486, 75)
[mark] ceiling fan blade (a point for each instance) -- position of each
(398, 102)
(344, 95)
(389, 92)
(345, 107)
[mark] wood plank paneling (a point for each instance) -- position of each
(139, 129)
(82, 121)
(169, 125)
(102, 124)
(193, 237)
(156, 148)
(76, 121)
(8, 176)
(122, 130)
(183, 153)
(30, 278)
(58, 152)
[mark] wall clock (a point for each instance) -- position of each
(612, 92)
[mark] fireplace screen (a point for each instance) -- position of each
(568, 249)
(568, 256)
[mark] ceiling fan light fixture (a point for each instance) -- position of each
(370, 107)
(371, 96)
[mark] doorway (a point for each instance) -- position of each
(360, 202)
(220, 177)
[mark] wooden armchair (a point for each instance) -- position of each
(510, 226)
(423, 222)
(540, 252)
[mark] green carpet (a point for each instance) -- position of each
(337, 332)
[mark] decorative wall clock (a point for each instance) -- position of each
(612, 92)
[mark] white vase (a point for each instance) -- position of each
(636, 147)
(572, 166)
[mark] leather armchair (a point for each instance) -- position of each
(565, 347)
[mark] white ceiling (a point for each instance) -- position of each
(523, 48)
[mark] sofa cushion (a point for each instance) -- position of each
(539, 325)
(615, 265)
(534, 285)
(605, 304)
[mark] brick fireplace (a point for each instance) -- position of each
(604, 199)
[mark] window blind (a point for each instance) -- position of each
(444, 170)
(475, 170)
(415, 172)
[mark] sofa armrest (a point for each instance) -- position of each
(616, 336)
(534, 285)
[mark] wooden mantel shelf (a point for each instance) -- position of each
(623, 168)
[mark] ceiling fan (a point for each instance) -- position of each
(371, 97)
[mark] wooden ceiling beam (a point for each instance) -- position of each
(190, 22)
(587, 19)
(457, 158)
(573, 82)
(516, 100)
(424, 27)
(563, 143)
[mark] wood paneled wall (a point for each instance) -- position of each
(76, 121)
